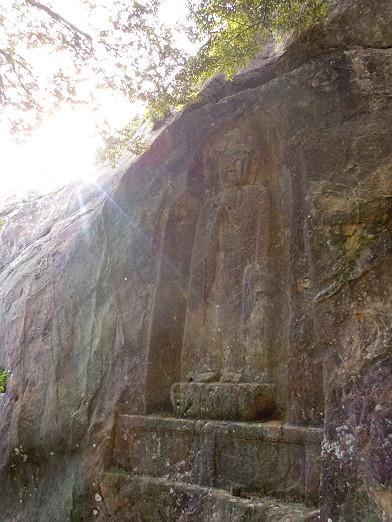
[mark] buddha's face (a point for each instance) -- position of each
(236, 167)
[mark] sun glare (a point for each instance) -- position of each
(63, 149)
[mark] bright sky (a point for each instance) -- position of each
(63, 149)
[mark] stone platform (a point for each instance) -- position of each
(140, 498)
(272, 459)
(225, 401)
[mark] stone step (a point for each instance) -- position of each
(268, 458)
(223, 401)
(140, 498)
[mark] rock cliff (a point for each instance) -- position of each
(207, 336)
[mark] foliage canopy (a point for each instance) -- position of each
(123, 45)
(3, 380)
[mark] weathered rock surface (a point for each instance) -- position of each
(268, 458)
(161, 499)
(250, 245)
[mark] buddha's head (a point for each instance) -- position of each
(236, 160)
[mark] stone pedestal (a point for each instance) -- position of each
(197, 470)
(226, 401)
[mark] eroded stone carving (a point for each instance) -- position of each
(227, 295)
(224, 254)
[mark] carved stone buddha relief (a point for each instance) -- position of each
(223, 338)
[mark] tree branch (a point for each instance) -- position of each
(3, 97)
(78, 33)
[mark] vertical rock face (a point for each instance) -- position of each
(238, 271)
